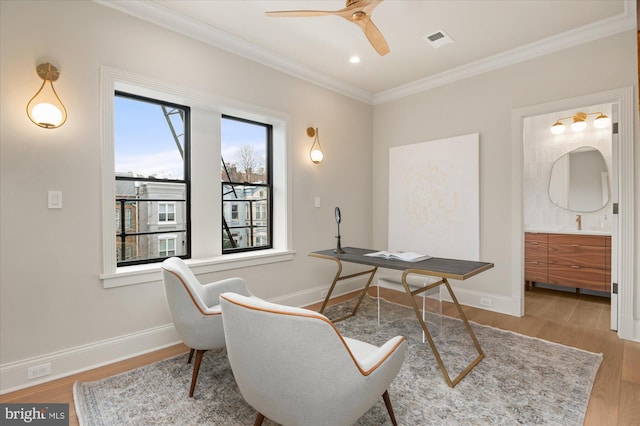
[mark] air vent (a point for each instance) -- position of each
(437, 39)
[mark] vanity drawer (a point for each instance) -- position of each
(580, 240)
(536, 237)
(535, 247)
(535, 271)
(579, 277)
(578, 255)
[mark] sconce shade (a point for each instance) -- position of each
(579, 123)
(601, 121)
(557, 128)
(45, 109)
(315, 153)
(578, 126)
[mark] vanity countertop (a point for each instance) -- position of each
(569, 231)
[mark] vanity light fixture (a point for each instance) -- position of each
(580, 122)
(315, 153)
(45, 108)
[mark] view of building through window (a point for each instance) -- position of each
(152, 186)
(246, 185)
(152, 181)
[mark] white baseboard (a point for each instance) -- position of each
(629, 328)
(317, 294)
(13, 376)
(476, 299)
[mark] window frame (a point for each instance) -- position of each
(205, 217)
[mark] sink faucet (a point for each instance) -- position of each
(579, 220)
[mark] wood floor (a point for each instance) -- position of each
(580, 321)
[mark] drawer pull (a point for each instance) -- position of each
(575, 245)
(534, 243)
(575, 266)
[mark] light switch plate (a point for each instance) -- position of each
(55, 199)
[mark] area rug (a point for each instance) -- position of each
(521, 380)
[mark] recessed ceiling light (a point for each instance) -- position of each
(354, 59)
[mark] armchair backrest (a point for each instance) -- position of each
(286, 357)
(190, 310)
(178, 274)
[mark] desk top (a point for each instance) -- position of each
(447, 268)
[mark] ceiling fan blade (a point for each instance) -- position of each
(356, 11)
(299, 13)
(374, 36)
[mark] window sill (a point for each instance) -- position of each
(140, 274)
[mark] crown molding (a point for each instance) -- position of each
(198, 30)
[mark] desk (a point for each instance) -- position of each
(435, 267)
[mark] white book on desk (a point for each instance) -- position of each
(399, 255)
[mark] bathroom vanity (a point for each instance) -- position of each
(578, 260)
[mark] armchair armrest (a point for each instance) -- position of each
(370, 357)
(215, 289)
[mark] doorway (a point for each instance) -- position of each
(622, 261)
(569, 189)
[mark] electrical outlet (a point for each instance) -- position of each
(38, 371)
(485, 301)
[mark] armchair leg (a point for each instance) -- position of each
(190, 356)
(259, 419)
(196, 368)
(387, 402)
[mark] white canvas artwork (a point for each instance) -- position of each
(434, 201)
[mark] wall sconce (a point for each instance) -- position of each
(316, 150)
(580, 122)
(45, 109)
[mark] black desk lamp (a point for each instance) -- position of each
(338, 219)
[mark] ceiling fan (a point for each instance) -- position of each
(356, 11)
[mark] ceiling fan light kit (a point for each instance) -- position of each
(356, 11)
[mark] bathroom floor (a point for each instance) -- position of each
(562, 307)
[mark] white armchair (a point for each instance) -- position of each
(195, 309)
(294, 367)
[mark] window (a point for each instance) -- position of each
(167, 246)
(151, 178)
(246, 185)
(264, 228)
(166, 212)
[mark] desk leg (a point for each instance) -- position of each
(337, 278)
(436, 353)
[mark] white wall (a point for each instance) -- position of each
(53, 306)
(484, 104)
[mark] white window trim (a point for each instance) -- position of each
(167, 204)
(167, 238)
(203, 260)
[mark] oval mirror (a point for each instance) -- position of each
(338, 215)
(580, 181)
